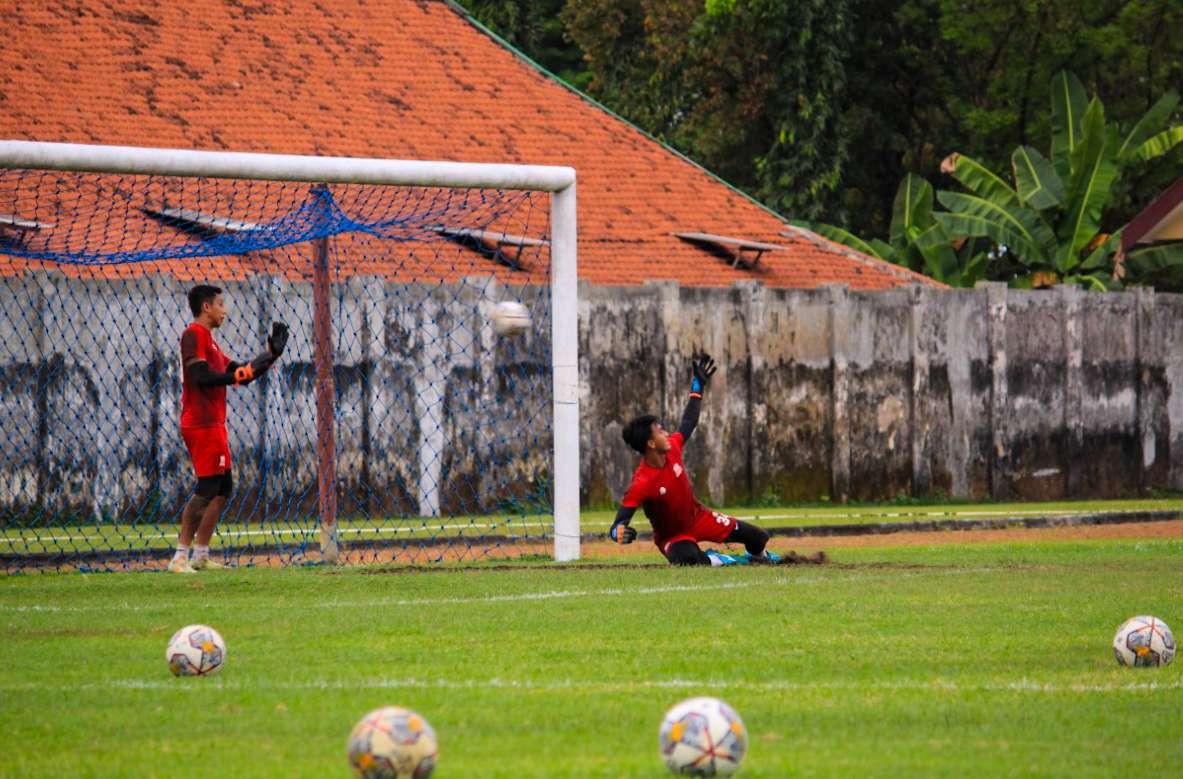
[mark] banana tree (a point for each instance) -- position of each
(1047, 224)
(1044, 225)
(916, 240)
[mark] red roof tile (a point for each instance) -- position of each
(395, 79)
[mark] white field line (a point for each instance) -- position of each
(411, 602)
(1022, 685)
(521, 597)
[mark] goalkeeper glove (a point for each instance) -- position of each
(621, 533)
(702, 369)
(245, 374)
(278, 338)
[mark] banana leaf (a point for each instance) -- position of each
(1035, 179)
(1002, 234)
(1152, 259)
(1069, 103)
(1094, 170)
(1158, 145)
(911, 212)
(839, 235)
(979, 179)
(1031, 237)
(936, 248)
(1152, 122)
(1096, 282)
(1101, 256)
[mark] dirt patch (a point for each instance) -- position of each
(805, 544)
(645, 554)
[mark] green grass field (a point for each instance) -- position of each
(123, 536)
(982, 660)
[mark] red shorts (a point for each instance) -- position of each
(708, 526)
(209, 449)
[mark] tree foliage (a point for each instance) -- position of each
(818, 109)
(1046, 225)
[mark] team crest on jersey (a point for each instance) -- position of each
(677, 469)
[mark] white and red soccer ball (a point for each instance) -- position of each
(510, 318)
(702, 737)
(393, 743)
(1144, 642)
(196, 650)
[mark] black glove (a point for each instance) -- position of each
(245, 374)
(622, 533)
(278, 338)
(703, 368)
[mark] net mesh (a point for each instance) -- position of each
(441, 430)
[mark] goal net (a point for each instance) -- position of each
(396, 427)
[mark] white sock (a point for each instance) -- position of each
(182, 553)
(200, 552)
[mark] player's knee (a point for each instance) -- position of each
(687, 553)
(225, 485)
(760, 534)
(207, 487)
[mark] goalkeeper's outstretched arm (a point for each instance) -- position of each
(621, 532)
(199, 373)
(702, 368)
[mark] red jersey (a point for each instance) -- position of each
(665, 494)
(202, 406)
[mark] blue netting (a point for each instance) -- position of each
(442, 429)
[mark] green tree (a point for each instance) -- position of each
(1046, 225)
(819, 109)
(752, 89)
(933, 75)
(535, 28)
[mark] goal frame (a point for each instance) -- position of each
(559, 181)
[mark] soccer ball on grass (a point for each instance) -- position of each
(1144, 641)
(510, 318)
(196, 650)
(392, 743)
(703, 737)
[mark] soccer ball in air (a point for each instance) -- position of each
(196, 650)
(703, 737)
(392, 743)
(510, 318)
(1144, 641)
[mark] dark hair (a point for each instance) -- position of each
(638, 432)
(200, 295)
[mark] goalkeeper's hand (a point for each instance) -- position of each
(622, 533)
(278, 339)
(702, 369)
(245, 374)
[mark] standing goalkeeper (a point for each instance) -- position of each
(662, 488)
(207, 373)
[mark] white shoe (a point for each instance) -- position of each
(181, 566)
(207, 564)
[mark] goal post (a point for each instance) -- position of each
(425, 178)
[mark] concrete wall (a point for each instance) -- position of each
(915, 391)
(820, 392)
(90, 391)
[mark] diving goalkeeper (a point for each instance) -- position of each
(661, 487)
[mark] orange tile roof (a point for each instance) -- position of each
(396, 79)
